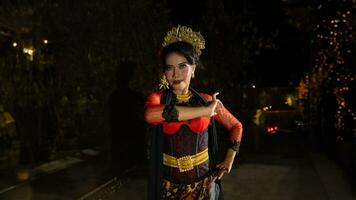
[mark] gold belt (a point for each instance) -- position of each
(186, 163)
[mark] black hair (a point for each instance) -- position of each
(183, 48)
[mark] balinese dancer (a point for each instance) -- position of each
(184, 145)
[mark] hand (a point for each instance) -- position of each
(226, 165)
(212, 105)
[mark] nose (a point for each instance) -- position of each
(174, 72)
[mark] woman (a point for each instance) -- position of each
(183, 147)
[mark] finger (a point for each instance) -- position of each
(214, 95)
(228, 170)
(221, 174)
(220, 166)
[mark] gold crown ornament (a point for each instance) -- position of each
(183, 33)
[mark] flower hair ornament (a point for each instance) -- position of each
(163, 83)
(183, 33)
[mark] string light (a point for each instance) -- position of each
(332, 70)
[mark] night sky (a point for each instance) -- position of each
(281, 66)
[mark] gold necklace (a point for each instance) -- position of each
(183, 98)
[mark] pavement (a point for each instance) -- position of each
(282, 168)
(70, 177)
(279, 167)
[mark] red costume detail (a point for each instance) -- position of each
(196, 125)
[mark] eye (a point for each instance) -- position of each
(182, 66)
(168, 68)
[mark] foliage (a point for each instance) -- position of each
(60, 92)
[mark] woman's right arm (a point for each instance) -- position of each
(154, 110)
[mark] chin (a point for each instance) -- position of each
(178, 87)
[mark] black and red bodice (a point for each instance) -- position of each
(190, 137)
(183, 143)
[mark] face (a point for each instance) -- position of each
(178, 72)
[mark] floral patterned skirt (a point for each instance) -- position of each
(205, 189)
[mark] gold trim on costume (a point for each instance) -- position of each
(183, 98)
(186, 163)
(183, 33)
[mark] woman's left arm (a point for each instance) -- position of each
(234, 126)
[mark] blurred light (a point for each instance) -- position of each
(45, 41)
(23, 175)
(272, 130)
(14, 44)
(30, 52)
(253, 86)
(289, 100)
(270, 107)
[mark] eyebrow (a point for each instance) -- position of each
(185, 62)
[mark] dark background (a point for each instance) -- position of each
(86, 86)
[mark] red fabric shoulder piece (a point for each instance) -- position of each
(153, 99)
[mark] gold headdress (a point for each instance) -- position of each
(183, 33)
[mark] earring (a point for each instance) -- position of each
(163, 82)
(193, 75)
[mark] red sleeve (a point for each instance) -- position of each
(225, 118)
(153, 109)
(153, 99)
